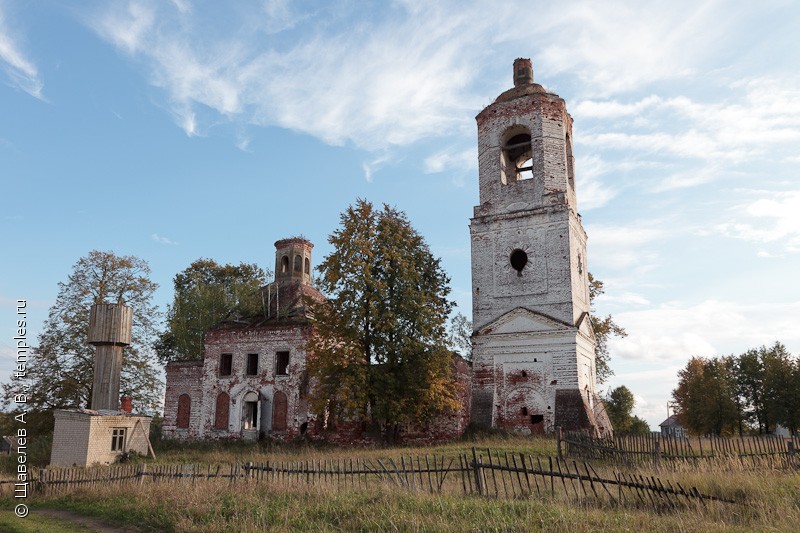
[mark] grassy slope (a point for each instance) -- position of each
(771, 499)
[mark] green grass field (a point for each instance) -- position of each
(769, 500)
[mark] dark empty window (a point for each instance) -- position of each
(298, 263)
(226, 364)
(524, 411)
(518, 260)
(282, 363)
(537, 419)
(117, 439)
(285, 263)
(308, 266)
(252, 364)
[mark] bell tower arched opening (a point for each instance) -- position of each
(516, 163)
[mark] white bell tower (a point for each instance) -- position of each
(533, 344)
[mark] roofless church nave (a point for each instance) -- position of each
(533, 344)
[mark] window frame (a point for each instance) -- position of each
(278, 363)
(251, 368)
(223, 358)
(118, 439)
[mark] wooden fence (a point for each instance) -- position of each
(749, 451)
(493, 475)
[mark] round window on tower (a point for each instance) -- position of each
(518, 260)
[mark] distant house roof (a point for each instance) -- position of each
(671, 421)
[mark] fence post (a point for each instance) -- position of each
(141, 473)
(790, 450)
(657, 453)
(42, 479)
(476, 465)
(558, 442)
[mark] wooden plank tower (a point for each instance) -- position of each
(110, 327)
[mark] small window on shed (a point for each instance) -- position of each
(226, 364)
(282, 363)
(117, 439)
(252, 364)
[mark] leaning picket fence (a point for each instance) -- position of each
(764, 451)
(494, 474)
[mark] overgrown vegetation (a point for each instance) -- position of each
(206, 293)
(768, 501)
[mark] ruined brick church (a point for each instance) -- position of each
(533, 345)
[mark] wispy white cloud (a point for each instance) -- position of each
(162, 240)
(372, 166)
(451, 158)
(625, 247)
(405, 71)
(457, 162)
(704, 329)
(593, 191)
(671, 41)
(21, 71)
(772, 218)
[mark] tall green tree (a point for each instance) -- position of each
(779, 391)
(619, 405)
(604, 328)
(379, 352)
(706, 396)
(749, 374)
(60, 370)
(206, 293)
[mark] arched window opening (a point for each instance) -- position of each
(250, 411)
(222, 411)
(184, 411)
(517, 162)
(285, 264)
(298, 263)
(308, 266)
(570, 163)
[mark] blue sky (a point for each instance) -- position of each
(178, 130)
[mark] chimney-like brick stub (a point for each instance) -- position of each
(523, 72)
(126, 404)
